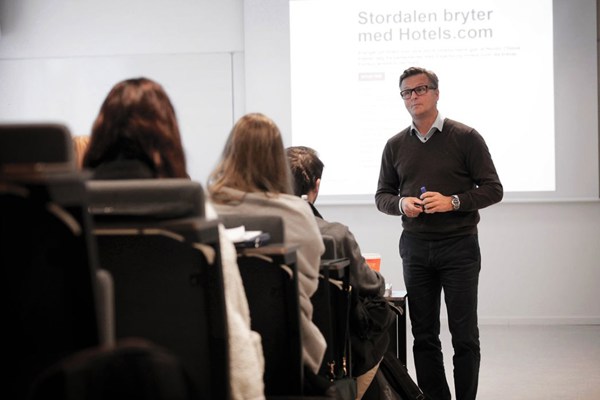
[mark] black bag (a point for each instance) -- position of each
(392, 382)
(381, 389)
(342, 388)
(370, 320)
(399, 380)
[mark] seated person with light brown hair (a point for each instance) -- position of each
(369, 339)
(136, 136)
(253, 178)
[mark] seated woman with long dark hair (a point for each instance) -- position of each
(136, 136)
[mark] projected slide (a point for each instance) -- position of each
(494, 60)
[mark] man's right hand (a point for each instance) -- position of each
(412, 207)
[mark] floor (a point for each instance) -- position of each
(536, 362)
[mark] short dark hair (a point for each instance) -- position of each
(306, 168)
(412, 71)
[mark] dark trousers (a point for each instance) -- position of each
(453, 265)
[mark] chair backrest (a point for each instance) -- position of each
(133, 369)
(330, 249)
(146, 200)
(271, 287)
(270, 279)
(167, 275)
(273, 224)
(47, 256)
(35, 144)
(331, 308)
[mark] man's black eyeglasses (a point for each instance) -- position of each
(419, 90)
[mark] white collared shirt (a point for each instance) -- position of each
(438, 124)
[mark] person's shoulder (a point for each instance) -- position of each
(272, 198)
(400, 135)
(462, 133)
(458, 128)
(291, 199)
(332, 225)
(294, 205)
(335, 229)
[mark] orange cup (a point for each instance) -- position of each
(373, 260)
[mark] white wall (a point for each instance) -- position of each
(541, 261)
(59, 59)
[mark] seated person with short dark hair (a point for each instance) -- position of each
(370, 314)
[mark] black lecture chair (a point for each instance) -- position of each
(52, 302)
(331, 307)
(164, 258)
(270, 278)
(36, 146)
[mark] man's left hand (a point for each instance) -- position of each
(434, 202)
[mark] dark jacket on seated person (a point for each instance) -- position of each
(370, 315)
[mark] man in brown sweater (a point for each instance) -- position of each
(437, 174)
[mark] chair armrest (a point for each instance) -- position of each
(337, 268)
(283, 254)
(106, 307)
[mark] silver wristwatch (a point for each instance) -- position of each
(455, 202)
